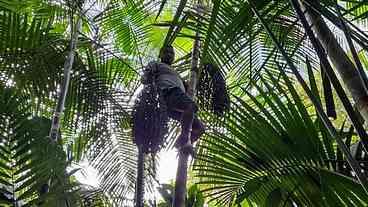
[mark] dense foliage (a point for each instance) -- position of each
(267, 143)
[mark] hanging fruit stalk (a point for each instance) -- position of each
(149, 126)
(139, 198)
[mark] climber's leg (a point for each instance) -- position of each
(197, 128)
(186, 120)
(182, 108)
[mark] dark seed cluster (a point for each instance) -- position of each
(212, 93)
(149, 120)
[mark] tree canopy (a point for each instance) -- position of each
(285, 72)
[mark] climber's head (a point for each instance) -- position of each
(167, 55)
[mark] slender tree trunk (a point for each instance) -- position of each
(55, 125)
(339, 59)
(182, 171)
(181, 180)
(139, 197)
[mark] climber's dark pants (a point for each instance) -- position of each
(182, 108)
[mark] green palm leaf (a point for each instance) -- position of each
(272, 147)
(28, 159)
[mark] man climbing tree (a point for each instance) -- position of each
(172, 90)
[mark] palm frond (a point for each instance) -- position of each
(129, 25)
(29, 161)
(92, 197)
(243, 163)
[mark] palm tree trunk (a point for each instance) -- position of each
(182, 171)
(339, 59)
(139, 197)
(55, 125)
(181, 180)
